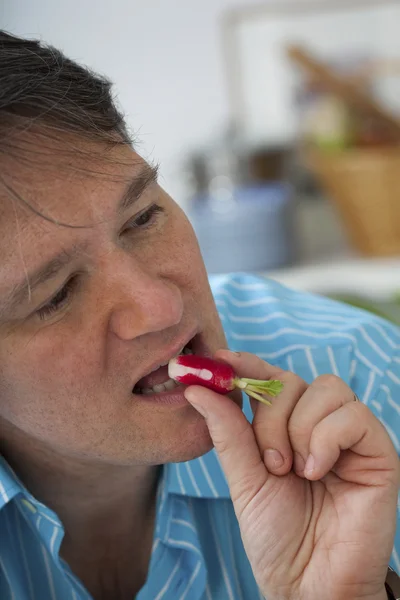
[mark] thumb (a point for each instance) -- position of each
(234, 441)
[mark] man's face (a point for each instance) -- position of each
(129, 290)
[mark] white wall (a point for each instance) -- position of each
(345, 32)
(164, 56)
(166, 60)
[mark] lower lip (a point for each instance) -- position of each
(173, 397)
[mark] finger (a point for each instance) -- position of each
(249, 365)
(373, 459)
(325, 395)
(270, 423)
(234, 442)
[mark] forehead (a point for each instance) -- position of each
(69, 183)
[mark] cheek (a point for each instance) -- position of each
(183, 261)
(60, 359)
(50, 382)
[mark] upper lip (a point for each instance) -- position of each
(167, 354)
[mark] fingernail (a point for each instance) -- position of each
(310, 464)
(237, 354)
(298, 463)
(190, 396)
(273, 459)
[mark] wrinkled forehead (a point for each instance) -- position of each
(66, 180)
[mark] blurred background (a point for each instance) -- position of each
(277, 126)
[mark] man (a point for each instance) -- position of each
(109, 488)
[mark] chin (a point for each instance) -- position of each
(192, 441)
(195, 449)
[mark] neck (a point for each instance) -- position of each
(107, 510)
(80, 491)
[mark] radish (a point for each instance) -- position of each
(218, 376)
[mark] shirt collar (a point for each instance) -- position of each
(199, 478)
(179, 486)
(10, 486)
(202, 477)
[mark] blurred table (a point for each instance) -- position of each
(378, 279)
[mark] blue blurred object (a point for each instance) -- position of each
(246, 229)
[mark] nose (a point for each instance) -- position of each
(142, 302)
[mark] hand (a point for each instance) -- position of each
(320, 521)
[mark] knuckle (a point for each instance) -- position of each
(255, 367)
(268, 421)
(297, 430)
(320, 434)
(295, 380)
(271, 371)
(254, 359)
(359, 411)
(225, 444)
(273, 437)
(221, 445)
(329, 381)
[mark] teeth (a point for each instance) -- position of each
(159, 387)
(170, 384)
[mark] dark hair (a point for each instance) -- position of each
(45, 93)
(38, 84)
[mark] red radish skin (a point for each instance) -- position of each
(190, 369)
(218, 376)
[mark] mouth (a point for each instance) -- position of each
(156, 380)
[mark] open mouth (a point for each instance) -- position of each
(157, 381)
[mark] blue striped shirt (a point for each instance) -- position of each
(197, 550)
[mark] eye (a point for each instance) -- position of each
(59, 300)
(144, 219)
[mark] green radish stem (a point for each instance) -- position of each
(258, 397)
(257, 388)
(273, 387)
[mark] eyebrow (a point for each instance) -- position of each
(138, 185)
(134, 190)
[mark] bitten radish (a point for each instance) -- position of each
(190, 369)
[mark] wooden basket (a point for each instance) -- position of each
(363, 182)
(365, 186)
